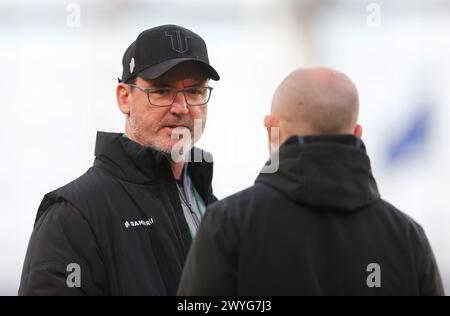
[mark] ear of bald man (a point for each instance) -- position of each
(272, 125)
(313, 101)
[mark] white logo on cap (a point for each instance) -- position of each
(132, 65)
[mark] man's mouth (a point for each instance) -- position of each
(177, 126)
(178, 130)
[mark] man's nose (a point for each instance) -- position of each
(179, 106)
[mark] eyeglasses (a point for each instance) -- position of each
(194, 96)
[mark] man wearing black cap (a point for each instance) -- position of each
(125, 226)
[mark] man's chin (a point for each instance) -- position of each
(173, 146)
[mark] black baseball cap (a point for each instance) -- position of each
(159, 49)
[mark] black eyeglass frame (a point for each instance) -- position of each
(150, 90)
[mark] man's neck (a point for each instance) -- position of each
(177, 169)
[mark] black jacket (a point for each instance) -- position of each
(121, 222)
(315, 227)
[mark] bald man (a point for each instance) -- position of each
(316, 226)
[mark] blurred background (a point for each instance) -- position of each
(60, 61)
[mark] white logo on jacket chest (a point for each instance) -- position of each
(129, 224)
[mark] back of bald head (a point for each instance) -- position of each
(315, 101)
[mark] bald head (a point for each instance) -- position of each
(315, 101)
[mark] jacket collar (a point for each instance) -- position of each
(330, 172)
(131, 162)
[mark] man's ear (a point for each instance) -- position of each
(123, 94)
(273, 132)
(269, 122)
(358, 132)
